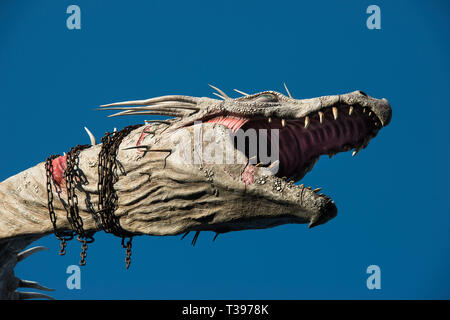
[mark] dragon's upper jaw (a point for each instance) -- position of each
(329, 130)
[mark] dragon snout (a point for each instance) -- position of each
(326, 212)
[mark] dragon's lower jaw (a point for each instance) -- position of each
(303, 141)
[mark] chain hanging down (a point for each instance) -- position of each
(107, 196)
(73, 176)
(63, 236)
(108, 199)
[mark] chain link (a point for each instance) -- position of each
(128, 250)
(107, 197)
(63, 236)
(83, 253)
(107, 177)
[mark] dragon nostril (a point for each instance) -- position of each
(362, 92)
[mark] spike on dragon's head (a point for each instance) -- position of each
(257, 191)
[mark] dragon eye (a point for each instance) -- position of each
(267, 97)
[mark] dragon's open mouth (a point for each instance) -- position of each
(302, 141)
(305, 129)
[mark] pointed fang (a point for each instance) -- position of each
(335, 113)
(306, 122)
(274, 167)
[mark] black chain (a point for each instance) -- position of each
(63, 236)
(107, 204)
(73, 176)
(107, 196)
(128, 250)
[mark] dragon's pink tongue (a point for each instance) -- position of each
(232, 123)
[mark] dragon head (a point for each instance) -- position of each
(233, 164)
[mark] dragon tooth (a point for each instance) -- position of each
(275, 163)
(350, 111)
(317, 190)
(283, 122)
(306, 122)
(335, 113)
(274, 167)
(320, 116)
(269, 119)
(355, 152)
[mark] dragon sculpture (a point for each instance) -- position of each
(159, 192)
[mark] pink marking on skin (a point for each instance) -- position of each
(248, 175)
(59, 166)
(141, 138)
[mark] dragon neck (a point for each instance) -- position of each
(24, 206)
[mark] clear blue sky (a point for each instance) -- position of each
(392, 198)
